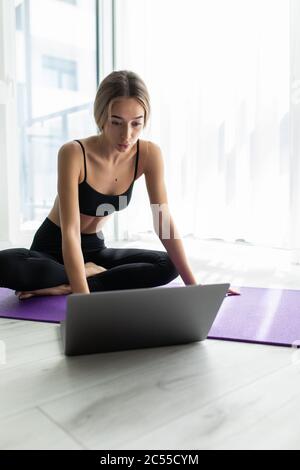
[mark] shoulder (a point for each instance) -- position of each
(70, 151)
(70, 147)
(151, 147)
(153, 157)
(154, 175)
(69, 157)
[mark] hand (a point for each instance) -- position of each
(232, 292)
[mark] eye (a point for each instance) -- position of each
(136, 124)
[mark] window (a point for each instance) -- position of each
(72, 2)
(60, 73)
(19, 17)
(56, 86)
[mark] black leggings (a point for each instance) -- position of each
(42, 265)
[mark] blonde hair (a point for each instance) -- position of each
(118, 84)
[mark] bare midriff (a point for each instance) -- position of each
(90, 224)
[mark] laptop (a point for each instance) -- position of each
(139, 318)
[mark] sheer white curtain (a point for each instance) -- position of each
(218, 76)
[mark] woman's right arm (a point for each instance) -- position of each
(68, 170)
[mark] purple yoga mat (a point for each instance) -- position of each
(258, 315)
(50, 309)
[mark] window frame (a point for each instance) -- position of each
(11, 232)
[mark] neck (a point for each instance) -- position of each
(108, 151)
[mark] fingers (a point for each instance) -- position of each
(232, 292)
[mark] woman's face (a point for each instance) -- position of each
(125, 123)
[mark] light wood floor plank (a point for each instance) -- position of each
(249, 417)
(33, 430)
(116, 413)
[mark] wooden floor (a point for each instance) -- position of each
(208, 395)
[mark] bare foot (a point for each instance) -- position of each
(63, 289)
(91, 269)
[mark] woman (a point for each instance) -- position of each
(96, 177)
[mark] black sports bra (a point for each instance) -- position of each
(96, 204)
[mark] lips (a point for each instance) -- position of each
(123, 145)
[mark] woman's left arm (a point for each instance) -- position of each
(163, 222)
(175, 249)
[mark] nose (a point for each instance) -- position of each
(125, 137)
(125, 133)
